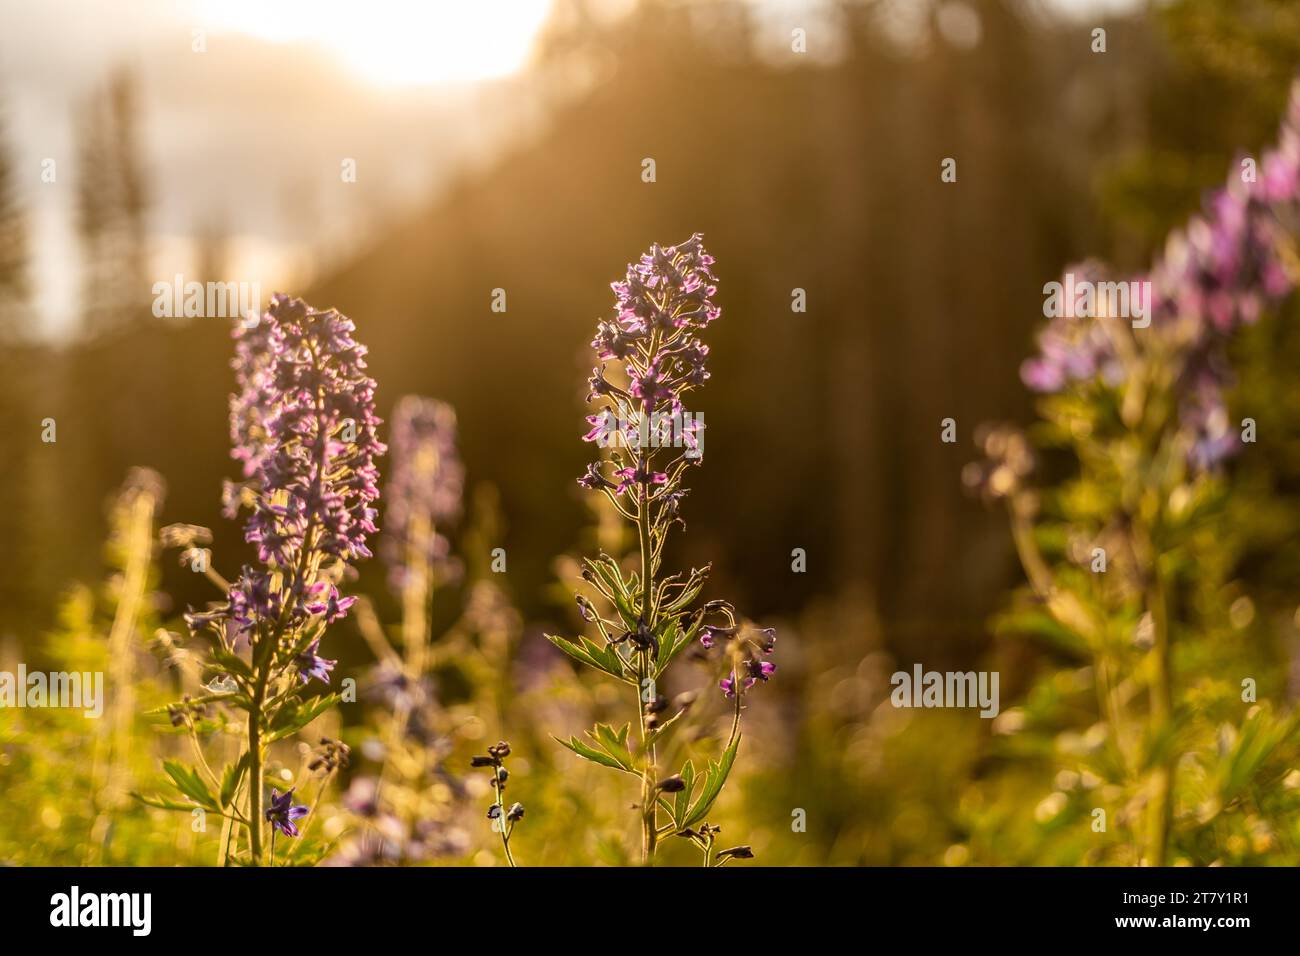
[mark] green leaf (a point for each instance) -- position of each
(205, 699)
(295, 715)
(588, 652)
(162, 803)
(606, 658)
(674, 640)
(682, 798)
(611, 748)
(615, 743)
(188, 782)
(590, 753)
(606, 569)
(713, 782)
(232, 663)
(231, 778)
(574, 651)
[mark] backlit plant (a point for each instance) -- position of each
(1134, 557)
(403, 799)
(303, 425)
(652, 356)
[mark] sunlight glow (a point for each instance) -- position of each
(396, 43)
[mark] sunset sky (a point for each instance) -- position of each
(413, 92)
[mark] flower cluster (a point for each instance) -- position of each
(1118, 546)
(652, 344)
(1073, 350)
(304, 426)
(503, 819)
(1222, 271)
(425, 486)
(747, 653)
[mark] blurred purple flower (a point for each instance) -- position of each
(1222, 271)
(426, 484)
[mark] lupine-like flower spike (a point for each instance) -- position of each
(303, 425)
(652, 344)
(1222, 271)
(652, 356)
(425, 487)
(401, 817)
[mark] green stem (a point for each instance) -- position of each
(1162, 776)
(255, 778)
(506, 827)
(649, 807)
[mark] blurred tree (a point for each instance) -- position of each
(111, 208)
(14, 285)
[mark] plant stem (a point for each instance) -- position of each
(255, 771)
(649, 806)
(1161, 784)
(506, 827)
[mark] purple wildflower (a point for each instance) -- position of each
(752, 647)
(640, 475)
(303, 424)
(310, 665)
(426, 485)
(759, 670)
(755, 671)
(653, 355)
(1220, 272)
(283, 812)
(653, 343)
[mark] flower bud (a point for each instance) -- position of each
(738, 852)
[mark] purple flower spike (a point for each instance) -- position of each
(426, 487)
(652, 356)
(283, 812)
(652, 343)
(304, 427)
(1220, 272)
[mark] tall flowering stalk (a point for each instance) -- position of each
(1142, 408)
(404, 822)
(424, 493)
(303, 425)
(652, 356)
